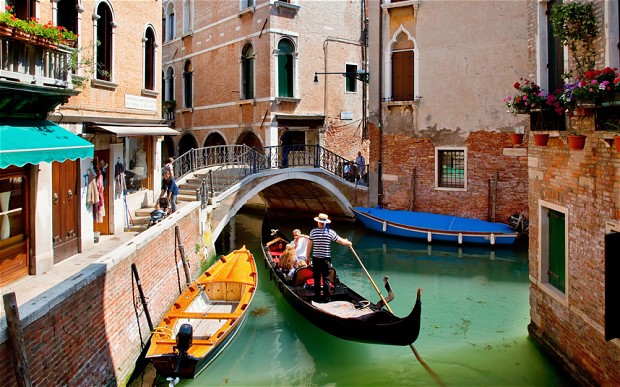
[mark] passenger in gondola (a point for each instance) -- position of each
(287, 262)
(300, 241)
(320, 247)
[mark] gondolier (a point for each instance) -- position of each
(319, 245)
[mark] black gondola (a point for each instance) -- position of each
(348, 316)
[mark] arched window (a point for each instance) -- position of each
(105, 25)
(187, 84)
(247, 72)
(169, 22)
(169, 85)
(403, 69)
(286, 67)
(149, 59)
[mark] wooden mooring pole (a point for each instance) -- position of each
(16, 340)
(177, 233)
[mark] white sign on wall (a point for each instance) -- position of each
(346, 115)
(140, 103)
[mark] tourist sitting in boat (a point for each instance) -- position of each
(300, 241)
(287, 262)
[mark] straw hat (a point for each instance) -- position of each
(322, 218)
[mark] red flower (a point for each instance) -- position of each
(517, 85)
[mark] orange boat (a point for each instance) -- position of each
(206, 317)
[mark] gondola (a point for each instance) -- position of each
(205, 317)
(349, 315)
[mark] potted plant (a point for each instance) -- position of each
(576, 140)
(588, 90)
(541, 139)
(575, 25)
(528, 97)
(516, 138)
(30, 29)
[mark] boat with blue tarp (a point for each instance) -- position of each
(435, 227)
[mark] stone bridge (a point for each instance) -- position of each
(226, 177)
(298, 190)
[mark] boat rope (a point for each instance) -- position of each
(415, 351)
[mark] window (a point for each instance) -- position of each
(187, 16)
(12, 210)
(351, 81)
(23, 9)
(149, 59)
(169, 22)
(451, 168)
(401, 67)
(105, 25)
(286, 67)
(67, 15)
(187, 84)
(247, 72)
(553, 247)
(169, 85)
(247, 4)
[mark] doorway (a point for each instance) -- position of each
(65, 201)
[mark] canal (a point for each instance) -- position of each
(475, 313)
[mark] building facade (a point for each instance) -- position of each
(103, 86)
(574, 200)
(237, 72)
(438, 125)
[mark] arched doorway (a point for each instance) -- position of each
(187, 143)
(214, 139)
(167, 148)
(250, 139)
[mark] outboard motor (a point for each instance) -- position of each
(184, 341)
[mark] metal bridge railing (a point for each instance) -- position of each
(229, 164)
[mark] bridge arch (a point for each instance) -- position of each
(247, 189)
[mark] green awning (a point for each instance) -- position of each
(36, 141)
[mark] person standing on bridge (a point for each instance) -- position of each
(319, 244)
(286, 140)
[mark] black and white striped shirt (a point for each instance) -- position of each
(321, 240)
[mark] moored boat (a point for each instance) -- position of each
(348, 315)
(205, 317)
(435, 227)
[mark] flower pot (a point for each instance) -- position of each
(541, 139)
(617, 143)
(516, 138)
(576, 141)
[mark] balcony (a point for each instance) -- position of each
(34, 61)
(35, 75)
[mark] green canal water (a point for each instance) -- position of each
(475, 314)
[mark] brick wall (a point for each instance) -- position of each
(92, 337)
(409, 164)
(586, 184)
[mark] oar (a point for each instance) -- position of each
(415, 352)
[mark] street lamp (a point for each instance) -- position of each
(361, 75)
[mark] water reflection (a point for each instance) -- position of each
(474, 319)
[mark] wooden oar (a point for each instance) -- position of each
(415, 352)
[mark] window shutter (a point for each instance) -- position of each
(402, 76)
(612, 286)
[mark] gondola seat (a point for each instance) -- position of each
(301, 275)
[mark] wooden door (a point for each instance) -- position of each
(102, 159)
(65, 209)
